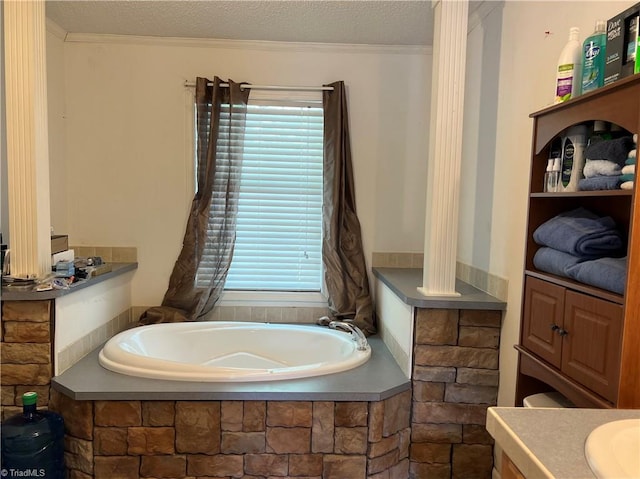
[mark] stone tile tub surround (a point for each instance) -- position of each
(237, 439)
(453, 359)
(455, 380)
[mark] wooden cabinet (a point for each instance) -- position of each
(578, 334)
(509, 470)
(578, 339)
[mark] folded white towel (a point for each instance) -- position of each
(635, 138)
(632, 153)
(627, 185)
(600, 168)
(629, 169)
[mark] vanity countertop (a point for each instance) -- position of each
(549, 442)
(17, 293)
(404, 282)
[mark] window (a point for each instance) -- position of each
(279, 223)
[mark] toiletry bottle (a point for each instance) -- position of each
(600, 132)
(568, 73)
(548, 176)
(631, 39)
(554, 184)
(551, 175)
(593, 51)
(573, 146)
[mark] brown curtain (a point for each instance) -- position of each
(342, 254)
(211, 227)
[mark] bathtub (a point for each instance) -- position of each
(218, 351)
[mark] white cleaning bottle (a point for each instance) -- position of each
(573, 145)
(569, 72)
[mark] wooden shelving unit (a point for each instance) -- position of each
(594, 334)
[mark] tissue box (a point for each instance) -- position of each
(622, 45)
(59, 243)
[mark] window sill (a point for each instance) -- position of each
(273, 298)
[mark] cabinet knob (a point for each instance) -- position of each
(562, 332)
(554, 327)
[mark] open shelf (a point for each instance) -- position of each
(583, 194)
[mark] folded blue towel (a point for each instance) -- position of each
(613, 150)
(599, 183)
(581, 233)
(605, 273)
(553, 261)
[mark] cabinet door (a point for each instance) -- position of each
(591, 349)
(543, 316)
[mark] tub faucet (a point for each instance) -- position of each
(356, 333)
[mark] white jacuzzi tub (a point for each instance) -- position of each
(219, 351)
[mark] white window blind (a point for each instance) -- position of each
(279, 223)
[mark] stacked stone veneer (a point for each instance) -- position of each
(236, 439)
(26, 356)
(455, 380)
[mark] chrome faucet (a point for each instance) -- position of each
(356, 333)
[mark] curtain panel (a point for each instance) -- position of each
(219, 157)
(345, 274)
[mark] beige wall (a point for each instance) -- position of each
(128, 161)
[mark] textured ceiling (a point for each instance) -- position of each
(376, 22)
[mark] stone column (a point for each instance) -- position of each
(445, 148)
(27, 138)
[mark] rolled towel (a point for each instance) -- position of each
(580, 233)
(605, 273)
(632, 153)
(600, 168)
(635, 138)
(629, 177)
(630, 161)
(613, 150)
(627, 185)
(553, 261)
(599, 183)
(629, 169)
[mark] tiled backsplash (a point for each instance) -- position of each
(109, 254)
(83, 346)
(484, 281)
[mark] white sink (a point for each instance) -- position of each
(613, 450)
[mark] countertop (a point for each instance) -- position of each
(376, 380)
(548, 442)
(18, 293)
(404, 282)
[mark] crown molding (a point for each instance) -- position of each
(56, 30)
(247, 44)
(479, 14)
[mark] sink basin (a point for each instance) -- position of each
(613, 450)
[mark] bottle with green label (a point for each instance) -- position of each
(593, 58)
